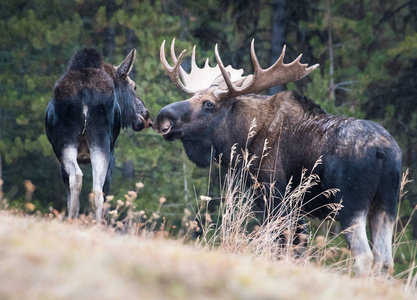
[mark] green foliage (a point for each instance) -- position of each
(406, 47)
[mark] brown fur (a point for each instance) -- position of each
(101, 80)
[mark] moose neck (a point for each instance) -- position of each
(254, 110)
(127, 110)
(272, 114)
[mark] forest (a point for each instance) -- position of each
(365, 48)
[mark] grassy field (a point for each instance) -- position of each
(50, 259)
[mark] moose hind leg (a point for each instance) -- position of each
(65, 179)
(75, 179)
(100, 163)
(107, 182)
(109, 175)
(382, 227)
(355, 235)
(382, 216)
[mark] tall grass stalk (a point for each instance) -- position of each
(402, 242)
(274, 237)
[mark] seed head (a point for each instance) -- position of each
(30, 187)
(30, 207)
(113, 213)
(205, 199)
(132, 194)
(139, 185)
(162, 200)
(208, 218)
(119, 224)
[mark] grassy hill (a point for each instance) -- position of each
(42, 259)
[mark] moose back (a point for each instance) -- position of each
(360, 158)
(90, 104)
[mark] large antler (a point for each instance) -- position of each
(202, 78)
(199, 78)
(278, 73)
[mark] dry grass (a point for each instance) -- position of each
(403, 244)
(273, 238)
(49, 259)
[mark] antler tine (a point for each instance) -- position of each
(247, 83)
(193, 63)
(173, 56)
(298, 59)
(163, 59)
(282, 55)
(312, 68)
(226, 77)
(174, 72)
(256, 67)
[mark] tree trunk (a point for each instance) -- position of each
(109, 32)
(278, 36)
(1, 167)
(184, 168)
(131, 42)
(330, 44)
(128, 170)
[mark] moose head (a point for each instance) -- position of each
(134, 112)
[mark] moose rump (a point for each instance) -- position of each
(84, 118)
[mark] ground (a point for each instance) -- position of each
(50, 259)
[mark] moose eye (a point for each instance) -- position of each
(208, 104)
(135, 88)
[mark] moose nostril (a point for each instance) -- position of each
(146, 116)
(167, 128)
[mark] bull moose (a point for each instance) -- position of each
(90, 104)
(359, 157)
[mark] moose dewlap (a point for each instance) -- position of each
(359, 157)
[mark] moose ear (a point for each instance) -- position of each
(126, 66)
